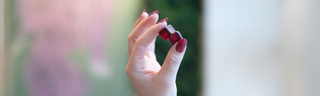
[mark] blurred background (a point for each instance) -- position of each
(235, 47)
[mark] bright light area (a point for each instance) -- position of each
(261, 48)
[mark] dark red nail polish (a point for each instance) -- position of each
(154, 12)
(165, 33)
(175, 37)
(181, 45)
(165, 19)
(144, 10)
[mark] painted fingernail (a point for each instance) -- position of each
(165, 19)
(155, 12)
(181, 45)
(144, 10)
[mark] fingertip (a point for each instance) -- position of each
(150, 19)
(154, 13)
(163, 20)
(144, 10)
(163, 23)
(145, 14)
(181, 45)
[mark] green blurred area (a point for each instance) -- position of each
(185, 17)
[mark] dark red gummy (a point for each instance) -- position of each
(165, 33)
(175, 37)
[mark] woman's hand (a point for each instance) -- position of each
(144, 71)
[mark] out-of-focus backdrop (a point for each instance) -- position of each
(235, 47)
(79, 48)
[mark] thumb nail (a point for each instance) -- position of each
(181, 45)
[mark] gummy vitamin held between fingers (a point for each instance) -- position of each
(175, 37)
(165, 33)
(170, 33)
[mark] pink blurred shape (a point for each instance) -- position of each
(58, 27)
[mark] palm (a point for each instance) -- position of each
(150, 60)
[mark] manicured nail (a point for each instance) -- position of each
(181, 45)
(165, 19)
(144, 10)
(155, 12)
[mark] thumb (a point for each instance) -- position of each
(171, 65)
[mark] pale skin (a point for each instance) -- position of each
(144, 71)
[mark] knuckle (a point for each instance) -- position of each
(131, 38)
(144, 26)
(128, 70)
(173, 61)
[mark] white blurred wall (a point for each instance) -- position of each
(302, 43)
(261, 48)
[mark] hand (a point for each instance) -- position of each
(144, 71)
